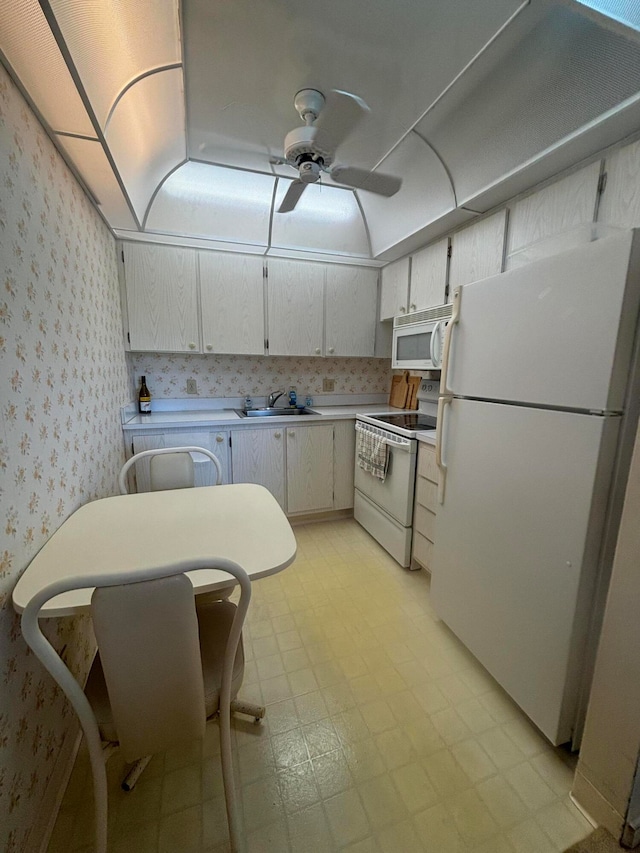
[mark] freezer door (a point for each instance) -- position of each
(557, 332)
(517, 544)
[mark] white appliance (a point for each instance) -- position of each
(536, 420)
(385, 509)
(418, 339)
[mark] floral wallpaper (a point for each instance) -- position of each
(64, 377)
(253, 375)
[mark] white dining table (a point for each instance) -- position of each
(125, 533)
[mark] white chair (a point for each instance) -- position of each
(170, 467)
(162, 668)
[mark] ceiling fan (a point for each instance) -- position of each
(311, 149)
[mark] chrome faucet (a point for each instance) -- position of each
(273, 397)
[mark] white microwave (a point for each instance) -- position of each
(418, 339)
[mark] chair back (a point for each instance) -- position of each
(172, 471)
(177, 472)
(149, 648)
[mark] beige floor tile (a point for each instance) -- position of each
(142, 838)
(298, 787)
(563, 823)
(302, 681)
(347, 818)
(475, 715)
(401, 836)
(530, 786)
(446, 775)
(414, 787)
(269, 666)
(311, 707)
(528, 837)
(261, 804)
(309, 831)
(282, 716)
(473, 759)
(500, 798)
(289, 749)
(554, 771)
(321, 737)
(295, 659)
(471, 817)
(181, 831)
(382, 802)
(269, 839)
(332, 773)
(274, 689)
(450, 726)
(395, 747)
(500, 748)
(437, 832)
(364, 760)
(378, 716)
(181, 788)
(215, 828)
(367, 845)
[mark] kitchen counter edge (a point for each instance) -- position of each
(227, 418)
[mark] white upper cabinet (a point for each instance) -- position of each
(162, 298)
(477, 251)
(429, 276)
(620, 202)
(394, 289)
(296, 307)
(351, 301)
(232, 303)
(553, 219)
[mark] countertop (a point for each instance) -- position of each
(428, 436)
(226, 417)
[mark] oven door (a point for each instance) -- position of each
(418, 346)
(395, 494)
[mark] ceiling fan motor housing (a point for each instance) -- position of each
(299, 145)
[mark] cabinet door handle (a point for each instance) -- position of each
(413, 306)
(291, 433)
(192, 346)
(403, 310)
(317, 350)
(209, 347)
(332, 349)
(219, 438)
(277, 434)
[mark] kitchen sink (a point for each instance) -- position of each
(273, 412)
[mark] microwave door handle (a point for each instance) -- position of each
(432, 344)
(448, 335)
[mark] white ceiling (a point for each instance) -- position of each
(170, 113)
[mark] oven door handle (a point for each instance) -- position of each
(443, 402)
(397, 444)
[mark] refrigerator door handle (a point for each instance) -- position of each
(443, 402)
(455, 316)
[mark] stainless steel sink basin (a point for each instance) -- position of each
(273, 412)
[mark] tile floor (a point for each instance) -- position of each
(382, 733)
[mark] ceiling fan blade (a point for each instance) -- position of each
(291, 198)
(339, 117)
(373, 182)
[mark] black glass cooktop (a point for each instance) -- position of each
(415, 421)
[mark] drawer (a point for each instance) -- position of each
(424, 522)
(422, 550)
(426, 494)
(427, 462)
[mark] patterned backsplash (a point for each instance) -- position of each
(253, 376)
(64, 378)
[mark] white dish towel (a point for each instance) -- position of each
(372, 454)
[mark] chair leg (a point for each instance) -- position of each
(248, 708)
(235, 838)
(134, 774)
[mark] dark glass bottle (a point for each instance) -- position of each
(144, 398)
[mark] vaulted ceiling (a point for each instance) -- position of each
(172, 114)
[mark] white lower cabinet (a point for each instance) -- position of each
(344, 460)
(205, 475)
(258, 457)
(426, 501)
(309, 468)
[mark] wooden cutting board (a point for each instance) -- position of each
(399, 390)
(412, 392)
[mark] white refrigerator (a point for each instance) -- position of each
(538, 404)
